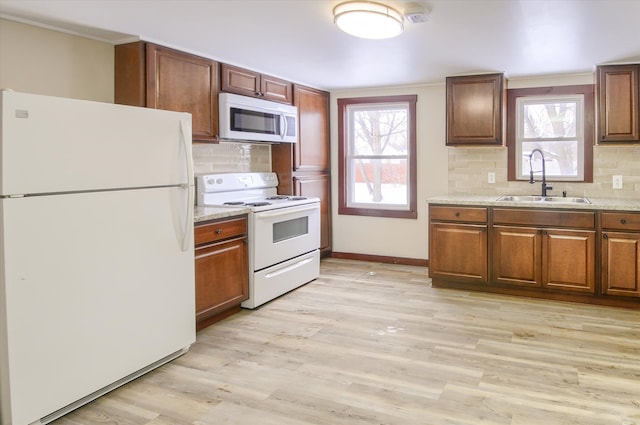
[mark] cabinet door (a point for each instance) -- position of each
(222, 279)
(475, 110)
(276, 89)
(618, 107)
(312, 151)
(621, 264)
(516, 256)
(458, 252)
(568, 260)
(178, 81)
(239, 81)
(318, 185)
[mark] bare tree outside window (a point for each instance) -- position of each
(558, 120)
(552, 124)
(377, 149)
(380, 153)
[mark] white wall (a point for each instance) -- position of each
(41, 61)
(393, 236)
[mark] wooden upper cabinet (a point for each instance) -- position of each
(618, 103)
(476, 110)
(249, 83)
(312, 151)
(158, 77)
(179, 81)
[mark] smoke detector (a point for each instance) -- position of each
(416, 13)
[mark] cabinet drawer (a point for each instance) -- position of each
(621, 221)
(535, 217)
(219, 230)
(461, 214)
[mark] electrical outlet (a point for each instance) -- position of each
(617, 182)
(491, 178)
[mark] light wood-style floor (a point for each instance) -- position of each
(371, 343)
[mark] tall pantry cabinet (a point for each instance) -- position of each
(304, 168)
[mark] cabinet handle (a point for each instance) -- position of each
(605, 236)
(623, 221)
(218, 231)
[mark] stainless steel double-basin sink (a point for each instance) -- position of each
(551, 199)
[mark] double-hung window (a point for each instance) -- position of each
(558, 123)
(377, 149)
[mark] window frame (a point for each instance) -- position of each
(343, 207)
(588, 130)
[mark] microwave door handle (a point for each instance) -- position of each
(283, 119)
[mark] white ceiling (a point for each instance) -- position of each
(297, 40)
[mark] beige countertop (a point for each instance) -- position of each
(213, 213)
(616, 204)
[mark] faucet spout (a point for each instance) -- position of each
(545, 186)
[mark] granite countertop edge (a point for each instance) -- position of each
(610, 204)
(201, 214)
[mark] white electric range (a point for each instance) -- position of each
(284, 231)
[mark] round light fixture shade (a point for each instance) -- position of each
(367, 19)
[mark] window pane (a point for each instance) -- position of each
(561, 158)
(549, 120)
(377, 147)
(379, 131)
(379, 181)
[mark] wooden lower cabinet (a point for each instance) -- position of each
(458, 244)
(537, 252)
(221, 269)
(516, 256)
(569, 260)
(544, 258)
(621, 264)
(458, 251)
(620, 246)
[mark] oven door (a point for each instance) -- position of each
(285, 233)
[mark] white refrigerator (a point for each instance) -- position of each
(96, 250)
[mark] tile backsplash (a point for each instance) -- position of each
(227, 157)
(469, 167)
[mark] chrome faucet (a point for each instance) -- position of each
(545, 186)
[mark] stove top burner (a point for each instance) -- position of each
(258, 204)
(234, 203)
(277, 197)
(297, 198)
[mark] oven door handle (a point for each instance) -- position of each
(286, 211)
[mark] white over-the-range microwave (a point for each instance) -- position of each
(257, 120)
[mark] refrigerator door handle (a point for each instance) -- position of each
(185, 132)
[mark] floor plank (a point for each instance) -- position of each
(373, 343)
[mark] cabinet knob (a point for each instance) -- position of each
(605, 236)
(218, 231)
(623, 221)
(457, 214)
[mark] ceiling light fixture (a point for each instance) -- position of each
(367, 19)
